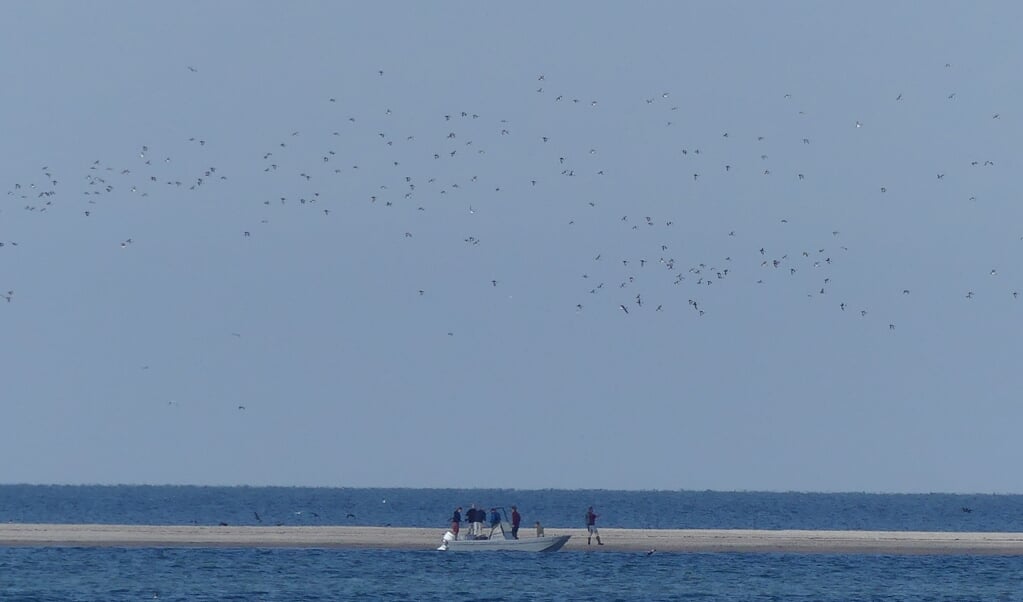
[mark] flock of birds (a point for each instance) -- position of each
(467, 162)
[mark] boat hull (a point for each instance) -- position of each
(531, 544)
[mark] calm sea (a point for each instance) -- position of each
(275, 574)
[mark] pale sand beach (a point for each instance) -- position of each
(615, 540)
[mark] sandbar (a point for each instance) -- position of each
(615, 540)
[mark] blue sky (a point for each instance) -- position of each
(531, 169)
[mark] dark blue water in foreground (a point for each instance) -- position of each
(286, 574)
(43, 574)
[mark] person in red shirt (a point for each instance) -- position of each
(516, 519)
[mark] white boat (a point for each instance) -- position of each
(500, 539)
(503, 542)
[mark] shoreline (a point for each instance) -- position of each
(418, 538)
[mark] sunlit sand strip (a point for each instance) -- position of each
(824, 542)
(615, 540)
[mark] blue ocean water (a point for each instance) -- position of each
(187, 505)
(320, 574)
(43, 574)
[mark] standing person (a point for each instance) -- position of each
(456, 521)
(481, 515)
(470, 517)
(591, 526)
(516, 519)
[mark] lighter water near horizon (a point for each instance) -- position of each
(330, 574)
(399, 507)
